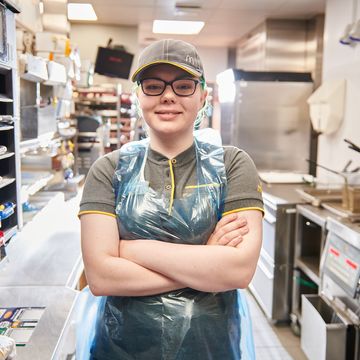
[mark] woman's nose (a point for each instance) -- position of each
(168, 94)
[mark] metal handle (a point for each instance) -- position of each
(269, 218)
(267, 273)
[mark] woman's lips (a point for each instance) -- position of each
(167, 115)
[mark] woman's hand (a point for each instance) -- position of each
(229, 231)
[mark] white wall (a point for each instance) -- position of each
(89, 36)
(214, 61)
(29, 18)
(341, 62)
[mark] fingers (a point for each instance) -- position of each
(235, 242)
(225, 231)
(229, 231)
(235, 234)
(225, 220)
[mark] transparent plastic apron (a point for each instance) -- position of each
(186, 323)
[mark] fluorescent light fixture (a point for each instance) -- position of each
(41, 7)
(177, 27)
(81, 12)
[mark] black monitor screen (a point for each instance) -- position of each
(113, 63)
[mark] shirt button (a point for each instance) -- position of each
(168, 187)
(173, 161)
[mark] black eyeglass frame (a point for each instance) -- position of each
(166, 83)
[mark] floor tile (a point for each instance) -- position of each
(272, 342)
(286, 336)
(296, 353)
(266, 339)
(272, 353)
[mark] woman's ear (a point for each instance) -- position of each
(203, 98)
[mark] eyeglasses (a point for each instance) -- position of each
(181, 87)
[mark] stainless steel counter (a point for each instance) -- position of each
(42, 268)
(57, 301)
(316, 214)
(282, 193)
(47, 250)
(272, 282)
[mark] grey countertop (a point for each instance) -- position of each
(57, 301)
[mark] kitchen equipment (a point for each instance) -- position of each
(330, 320)
(284, 177)
(316, 196)
(352, 145)
(345, 191)
(272, 282)
(353, 194)
(310, 236)
(89, 145)
(266, 114)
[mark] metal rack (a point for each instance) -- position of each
(9, 129)
(310, 235)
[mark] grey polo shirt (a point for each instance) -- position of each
(243, 184)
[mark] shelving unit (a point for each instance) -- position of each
(115, 108)
(9, 129)
(127, 120)
(310, 236)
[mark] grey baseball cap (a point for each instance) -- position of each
(174, 52)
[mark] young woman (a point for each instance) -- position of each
(171, 226)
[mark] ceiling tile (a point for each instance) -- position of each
(225, 20)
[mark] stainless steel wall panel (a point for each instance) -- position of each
(251, 51)
(283, 45)
(271, 123)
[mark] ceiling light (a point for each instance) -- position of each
(177, 27)
(81, 12)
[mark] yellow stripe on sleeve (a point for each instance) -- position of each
(243, 209)
(95, 212)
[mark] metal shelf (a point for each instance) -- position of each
(114, 141)
(6, 181)
(33, 188)
(6, 155)
(8, 234)
(4, 98)
(42, 141)
(6, 127)
(310, 266)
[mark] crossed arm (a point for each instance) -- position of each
(148, 267)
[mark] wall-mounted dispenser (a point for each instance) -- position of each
(327, 106)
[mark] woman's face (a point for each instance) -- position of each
(169, 114)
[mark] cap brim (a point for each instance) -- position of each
(191, 71)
